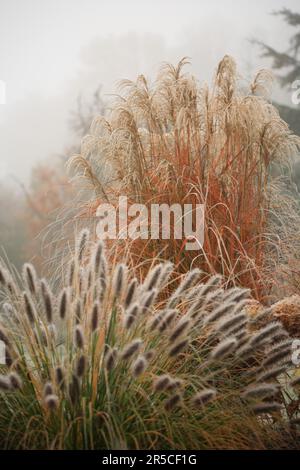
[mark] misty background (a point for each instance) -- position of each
(61, 61)
(51, 52)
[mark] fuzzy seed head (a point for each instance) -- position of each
(131, 349)
(139, 366)
(79, 337)
(204, 397)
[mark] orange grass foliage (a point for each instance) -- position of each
(177, 142)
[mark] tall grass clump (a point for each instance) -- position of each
(178, 142)
(107, 362)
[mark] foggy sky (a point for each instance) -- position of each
(53, 50)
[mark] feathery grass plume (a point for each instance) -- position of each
(218, 312)
(97, 257)
(95, 316)
(48, 389)
(131, 315)
(60, 377)
(213, 283)
(47, 300)
(111, 358)
(71, 272)
(81, 244)
(153, 277)
(266, 408)
(147, 301)
(173, 401)
(51, 328)
(167, 319)
(189, 280)
(130, 294)
(119, 280)
(139, 366)
(74, 390)
(8, 357)
(5, 383)
(2, 276)
(15, 381)
(51, 402)
(271, 373)
(131, 349)
(261, 390)
(230, 322)
(79, 337)
(63, 303)
(165, 274)
(178, 347)
(204, 397)
(161, 383)
(262, 317)
(181, 328)
(81, 366)
(283, 355)
(284, 344)
(223, 349)
(266, 333)
(29, 308)
(78, 311)
(175, 384)
(30, 278)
